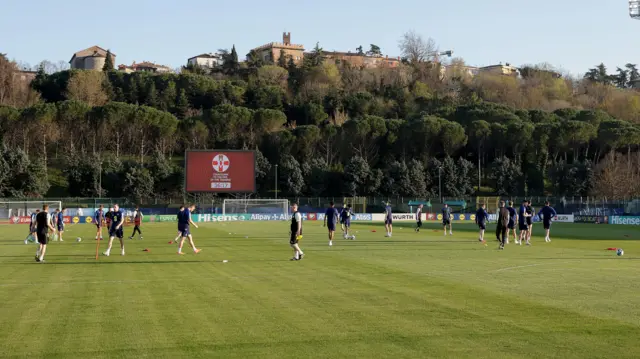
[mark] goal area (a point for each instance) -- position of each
(255, 206)
(13, 209)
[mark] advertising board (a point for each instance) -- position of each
(220, 171)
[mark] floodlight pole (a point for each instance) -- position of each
(276, 180)
(440, 182)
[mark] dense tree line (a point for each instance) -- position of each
(332, 129)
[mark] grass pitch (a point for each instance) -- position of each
(416, 295)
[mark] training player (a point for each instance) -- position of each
(547, 214)
(183, 226)
(530, 212)
(296, 232)
(513, 220)
(481, 220)
(503, 222)
(116, 230)
(388, 220)
(180, 212)
(60, 223)
(32, 227)
(99, 218)
(330, 221)
(346, 222)
(419, 218)
(108, 218)
(446, 219)
(137, 221)
(43, 226)
(522, 220)
(53, 217)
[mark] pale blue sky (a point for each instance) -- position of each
(570, 34)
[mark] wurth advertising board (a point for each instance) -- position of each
(220, 171)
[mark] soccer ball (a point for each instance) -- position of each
(620, 252)
(353, 237)
(78, 239)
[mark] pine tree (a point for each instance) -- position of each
(182, 105)
(152, 95)
(282, 60)
(231, 64)
(108, 62)
(168, 97)
(133, 90)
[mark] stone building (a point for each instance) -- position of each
(92, 58)
(144, 66)
(271, 52)
(360, 60)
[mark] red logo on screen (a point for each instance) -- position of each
(220, 163)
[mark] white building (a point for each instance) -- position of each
(209, 60)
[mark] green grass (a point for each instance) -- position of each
(413, 296)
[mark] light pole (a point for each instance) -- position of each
(440, 182)
(276, 181)
(100, 181)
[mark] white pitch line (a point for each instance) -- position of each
(517, 267)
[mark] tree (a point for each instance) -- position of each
(359, 179)
(507, 176)
(282, 59)
(88, 86)
(314, 58)
(13, 91)
(374, 50)
(633, 73)
(137, 182)
(254, 60)
(230, 64)
(599, 75)
(108, 62)
(168, 97)
(182, 105)
(152, 95)
(290, 175)
(415, 48)
(360, 51)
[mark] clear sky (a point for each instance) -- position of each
(569, 34)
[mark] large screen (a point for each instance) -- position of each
(220, 171)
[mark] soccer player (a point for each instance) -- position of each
(530, 212)
(481, 220)
(116, 230)
(330, 221)
(419, 218)
(99, 218)
(446, 219)
(60, 223)
(513, 219)
(108, 218)
(32, 227)
(137, 221)
(180, 213)
(347, 222)
(388, 220)
(547, 214)
(503, 222)
(184, 228)
(296, 232)
(43, 226)
(54, 222)
(522, 219)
